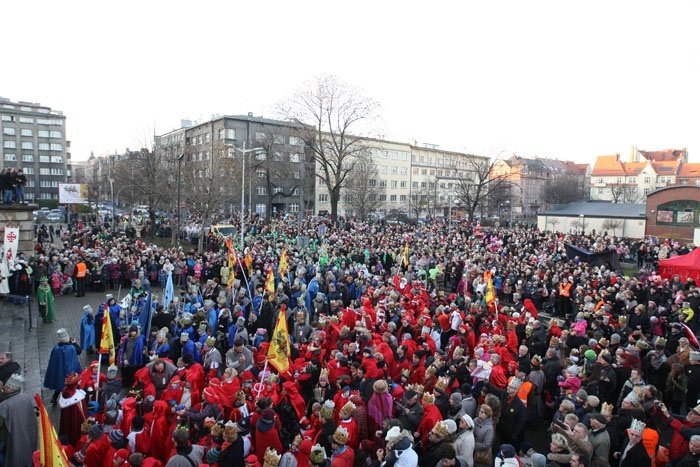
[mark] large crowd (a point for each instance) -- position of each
(438, 344)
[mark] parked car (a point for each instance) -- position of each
(55, 217)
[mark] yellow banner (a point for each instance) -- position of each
(280, 348)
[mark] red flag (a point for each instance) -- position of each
(50, 451)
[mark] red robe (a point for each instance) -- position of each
(431, 415)
(353, 432)
(159, 431)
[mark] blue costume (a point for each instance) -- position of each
(63, 361)
(311, 291)
(213, 318)
(87, 331)
(189, 348)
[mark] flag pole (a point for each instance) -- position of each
(257, 396)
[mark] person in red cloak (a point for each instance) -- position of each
(159, 431)
(73, 409)
(498, 374)
(431, 415)
(129, 409)
(90, 379)
(291, 390)
(418, 371)
(143, 375)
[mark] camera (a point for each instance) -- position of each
(659, 405)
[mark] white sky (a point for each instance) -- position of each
(570, 80)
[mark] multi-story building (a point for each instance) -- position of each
(528, 178)
(435, 177)
(619, 181)
(276, 160)
(34, 138)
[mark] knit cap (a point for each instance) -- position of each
(115, 436)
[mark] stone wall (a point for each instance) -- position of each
(21, 215)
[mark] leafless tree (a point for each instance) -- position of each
(363, 191)
(554, 222)
(479, 184)
(564, 190)
(333, 115)
(613, 224)
(624, 193)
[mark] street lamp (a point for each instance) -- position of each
(581, 221)
(244, 151)
(179, 187)
(111, 189)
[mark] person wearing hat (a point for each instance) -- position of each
(44, 296)
(634, 381)
(379, 407)
(342, 454)
(437, 437)
(99, 451)
(633, 453)
(131, 356)
(266, 433)
(212, 361)
(19, 429)
(186, 455)
(317, 457)
(599, 437)
(8, 367)
(62, 362)
(73, 405)
(464, 439)
(239, 357)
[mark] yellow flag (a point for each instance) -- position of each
(280, 348)
(107, 338)
(249, 263)
(50, 451)
(270, 282)
(284, 264)
(231, 264)
(405, 255)
(489, 293)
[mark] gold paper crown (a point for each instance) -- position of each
(348, 408)
(637, 425)
(230, 429)
(606, 409)
(458, 352)
(344, 331)
(240, 394)
(440, 429)
(442, 383)
(318, 454)
(324, 372)
(416, 387)
(430, 370)
(428, 398)
(406, 372)
(272, 459)
(341, 435)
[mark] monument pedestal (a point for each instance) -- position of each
(20, 215)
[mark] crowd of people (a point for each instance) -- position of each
(409, 346)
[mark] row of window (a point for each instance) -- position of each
(324, 198)
(230, 134)
(11, 131)
(633, 180)
(9, 144)
(39, 121)
(11, 157)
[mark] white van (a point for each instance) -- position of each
(140, 210)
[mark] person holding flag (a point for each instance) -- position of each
(280, 349)
(107, 337)
(270, 282)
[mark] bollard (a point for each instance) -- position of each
(29, 311)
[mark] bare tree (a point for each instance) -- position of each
(206, 186)
(363, 192)
(564, 190)
(332, 114)
(479, 184)
(613, 224)
(554, 222)
(624, 193)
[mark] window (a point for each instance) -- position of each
(294, 207)
(44, 146)
(56, 147)
(647, 180)
(56, 134)
(277, 189)
(416, 171)
(372, 183)
(296, 174)
(278, 139)
(230, 133)
(30, 183)
(633, 179)
(295, 141)
(222, 133)
(27, 157)
(394, 169)
(414, 185)
(647, 190)
(294, 157)
(29, 170)
(403, 184)
(261, 190)
(44, 133)
(46, 159)
(348, 198)
(619, 179)
(403, 198)
(424, 171)
(8, 118)
(26, 120)
(9, 144)
(26, 132)
(392, 198)
(600, 180)
(295, 192)
(207, 137)
(259, 136)
(382, 183)
(382, 197)
(8, 130)
(56, 171)
(394, 183)
(200, 156)
(260, 209)
(10, 157)
(383, 169)
(207, 155)
(323, 197)
(424, 184)
(260, 173)
(44, 171)
(600, 191)
(27, 145)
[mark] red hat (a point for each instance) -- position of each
(122, 454)
(247, 375)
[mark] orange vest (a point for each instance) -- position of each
(80, 270)
(524, 391)
(565, 290)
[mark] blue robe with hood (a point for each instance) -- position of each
(62, 362)
(87, 331)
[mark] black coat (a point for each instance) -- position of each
(636, 457)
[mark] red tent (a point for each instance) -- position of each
(685, 266)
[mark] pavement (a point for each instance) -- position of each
(31, 347)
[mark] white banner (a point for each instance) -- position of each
(72, 193)
(11, 243)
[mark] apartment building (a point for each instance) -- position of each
(630, 181)
(34, 138)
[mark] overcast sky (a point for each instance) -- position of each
(569, 80)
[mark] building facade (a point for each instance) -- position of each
(614, 179)
(34, 138)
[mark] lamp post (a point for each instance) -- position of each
(244, 151)
(179, 188)
(111, 189)
(581, 221)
